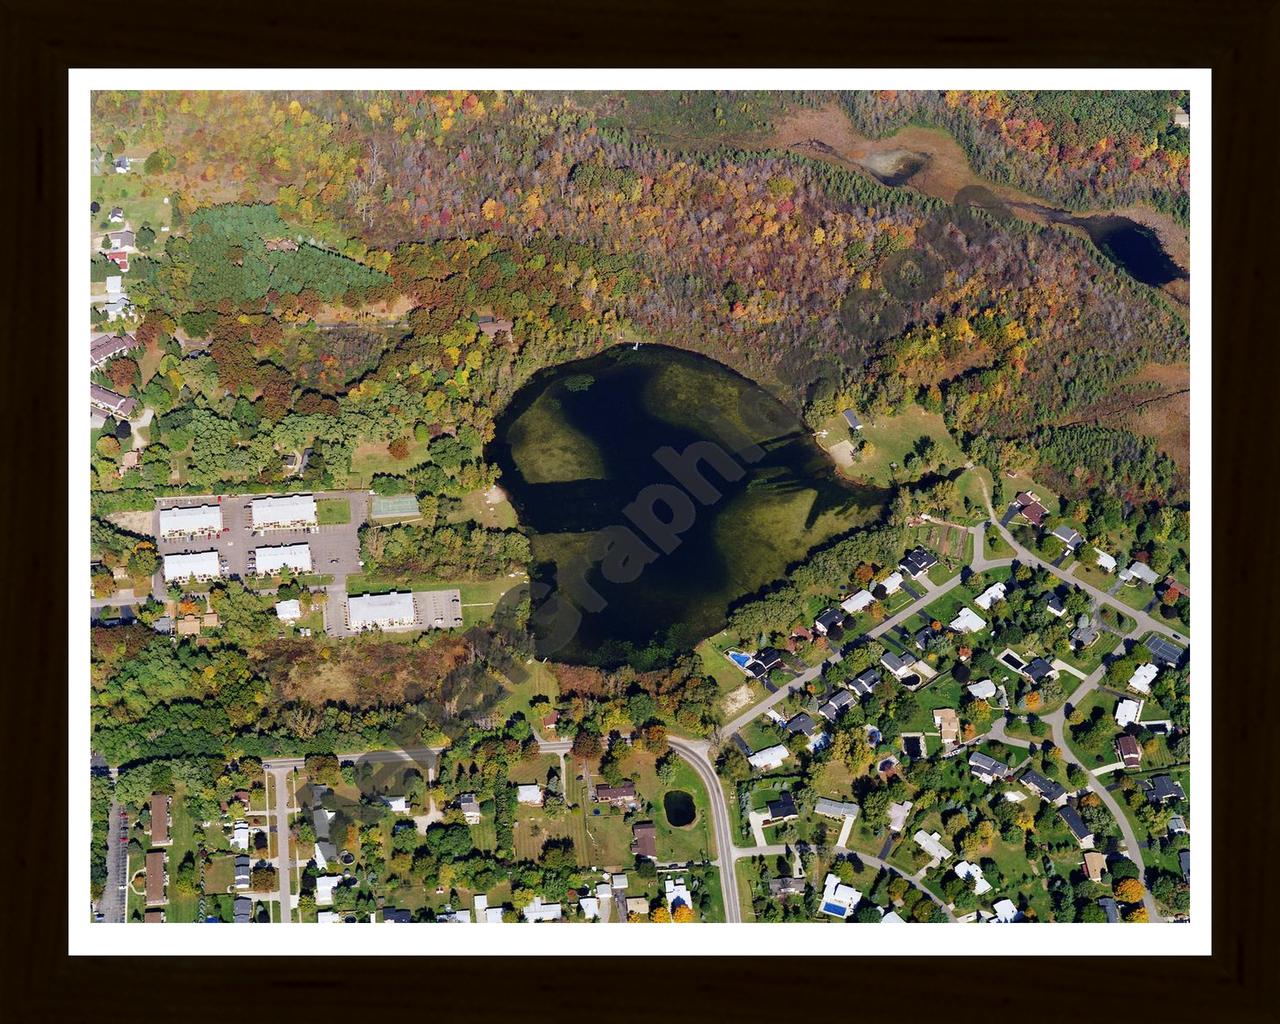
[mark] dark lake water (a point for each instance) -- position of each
(577, 452)
(679, 808)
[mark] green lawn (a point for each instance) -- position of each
(368, 460)
(1136, 597)
(537, 680)
(892, 437)
(996, 545)
(333, 511)
(499, 515)
(142, 198)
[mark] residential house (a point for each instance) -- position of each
(947, 722)
(108, 401)
(768, 758)
(116, 216)
(1069, 537)
(836, 808)
(1071, 818)
(397, 804)
(122, 240)
(1104, 561)
(891, 584)
(676, 894)
(983, 689)
(623, 795)
(827, 621)
(1038, 670)
(838, 703)
(1056, 606)
(1043, 787)
(1177, 825)
(986, 768)
(590, 907)
(1110, 908)
(783, 888)
(529, 793)
(242, 871)
(491, 326)
(993, 593)
(397, 915)
(121, 164)
(1141, 572)
(160, 807)
(1184, 863)
(1006, 912)
(157, 879)
(890, 917)
(243, 909)
(918, 562)
(1085, 634)
(804, 725)
(973, 873)
(537, 911)
(769, 657)
(967, 621)
(867, 680)
(155, 915)
(1128, 712)
(1094, 865)
(470, 808)
(851, 420)
(288, 611)
(1129, 751)
(1028, 503)
(931, 843)
(898, 815)
(1142, 678)
(838, 899)
(780, 810)
(104, 347)
(862, 599)
(551, 721)
(644, 840)
(1160, 789)
(899, 664)
(637, 905)
(326, 885)
(454, 917)
(240, 835)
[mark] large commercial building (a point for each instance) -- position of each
(269, 561)
(287, 512)
(202, 565)
(190, 521)
(381, 611)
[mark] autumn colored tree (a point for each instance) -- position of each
(1129, 890)
(660, 915)
(586, 744)
(123, 372)
(399, 449)
(1137, 915)
(683, 914)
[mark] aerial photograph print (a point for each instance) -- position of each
(556, 506)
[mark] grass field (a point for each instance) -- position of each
(370, 459)
(475, 506)
(333, 511)
(538, 681)
(892, 437)
(142, 200)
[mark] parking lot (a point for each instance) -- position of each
(335, 550)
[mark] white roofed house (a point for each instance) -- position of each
(891, 583)
(286, 512)
(272, 560)
(1127, 712)
(931, 843)
(529, 793)
(381, 611)
(973, 873)
(968, 621)
(191, 521)
(983, 689)
(838, 899)
(1142, 678)
(289, 611)
(202, 565)
(539, 911)
(862, 599)
(1104, 561)
(769, 757)
(1140, 571)
(990, 596)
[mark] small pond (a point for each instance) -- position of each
(679, 808)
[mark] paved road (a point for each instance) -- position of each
(695, 753)
(281, 775)
(1145, 622)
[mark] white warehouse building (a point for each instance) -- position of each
(191, 519)
(381, 611)
(269, 561)
(282, 513)
(202, 565)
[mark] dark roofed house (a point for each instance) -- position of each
(107, 346)
(1184, 862)
(804, 725)
(1161, 789)
(1046, 788)
(851, 420)
(1029, 505)
(863, 683)
(918, 562)
(1071, 818)
(243, 910)
(840, 700)
(899, 664)
(1038, 670)
(782, 809)
(1110, 908)
(988, 769)
(784, 887)
(116, 215)
(492, 326)
(769, 657)
(1129, 751)
(1068, 536)
(1056, 606)
(397, 915)
(644, 839)
(618, 796)
(121, 239)
(827, 621)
